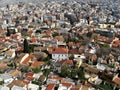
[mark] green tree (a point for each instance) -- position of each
(65, 71)
(31, 48)
(8, 33)
(26, 46)
(81, 74)
(74, 74)
(46, 72)
(55, 34)
(1, 82)
(36, 82)
(36, 70)
(89, 34)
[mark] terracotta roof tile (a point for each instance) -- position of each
(67, 84)
(116, 43)
(33, 39)
(17, 83)
(60, 50)
(75, 89)
(15, 73)
(29, 78)
(74, 51)
(55, 77)
(29, 74)
(3, 66)
(27, 59)
(37, 63)
(67, 62)
(71, 43)
(84, 87)
(50, 87)
(117, 80)
(25, 82)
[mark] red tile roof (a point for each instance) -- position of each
(70, 43)
(117, 80)
(37, 63)
(29, 78)
(67, 84)
(55, 77)
(74, 51)
(50, 87)
(83, 87)
(60, 50)
(25, 82)
(29, 74)
(74, 89)
(18, 49)
(3, 66)
(33, 39)
(67, 62)
(116, 43)
(27, 59)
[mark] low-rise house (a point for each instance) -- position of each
(10, 54)
(42, 78)
(18, 83)
(3, 66)
(33, 87)
(54, 79)
(36, 64)
(94, 79)
(66, 85)
(100, 67)
(90, 69)
(2, 56)
(6, 77)
(67, 62)
(116, 43)
(27, 60)
(116, 80)
(60, 53)
(29, 78)
(4, 88)
(15, 73)
(18, 88)
(62, 87)
(50, 87)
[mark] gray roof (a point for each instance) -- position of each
(17, 88)
(5, 76)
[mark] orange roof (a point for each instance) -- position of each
(60, 50)
(74, 89)
(67, 62)
(116, 43)
(3, 31)
(33, 39)
(74, 51)
(48, 34)
(67, 84)
(29, 74)
(15, 73)
(3, 65)
(25, 82)
(29, 78)
(55, 77)
(18, 49)
(117, 80)
(71, 43)
(37, 63)
(59, 38)
(50, 87)
(27, 59)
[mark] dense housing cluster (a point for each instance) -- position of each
(60, 45)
